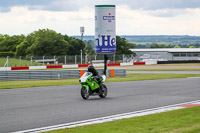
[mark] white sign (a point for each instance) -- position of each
(105, 34)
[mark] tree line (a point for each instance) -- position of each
(156, 45)
(49, 43)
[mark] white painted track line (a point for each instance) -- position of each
(110, 118)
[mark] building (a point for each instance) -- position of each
(167, 54)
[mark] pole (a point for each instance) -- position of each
(7, 61)
(86, 59)
(81, 36)
(114, 58)
(105, 63)
(43, 60)
(20, 61)
(54, 60)
(65, 59)
(6, 64)
(75, 59)
(81, 56)
(132, 57)
(31, 60)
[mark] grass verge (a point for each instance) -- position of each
(129, 77)
(178, 121)
(13, 62)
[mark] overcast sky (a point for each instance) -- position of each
(133, 17)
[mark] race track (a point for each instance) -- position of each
(174, 72)
(28, 108)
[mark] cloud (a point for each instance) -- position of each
(162, 4)
(142, 22)
(8, 4)
(167, 12)
(61, 5)
(72, 5)
(22, 20)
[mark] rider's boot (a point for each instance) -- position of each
(100, 86)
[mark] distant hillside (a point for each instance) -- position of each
(159, 39)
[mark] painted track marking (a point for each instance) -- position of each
(113, 117)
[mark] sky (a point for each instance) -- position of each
(133, 17)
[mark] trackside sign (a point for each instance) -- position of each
(105, 34)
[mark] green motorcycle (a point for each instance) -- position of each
(90, 86)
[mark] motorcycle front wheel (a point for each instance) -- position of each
(85, 95)
(104, 91)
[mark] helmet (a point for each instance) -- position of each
(90, 68)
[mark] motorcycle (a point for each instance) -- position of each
(90, 86)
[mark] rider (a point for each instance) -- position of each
(94, 73)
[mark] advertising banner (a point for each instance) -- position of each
(105, 34)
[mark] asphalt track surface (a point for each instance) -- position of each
(175, 72)
(28, 108)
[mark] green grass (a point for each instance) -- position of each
(178, 121)
(150, 76)
(36, 83)
(14, 62)
(130, 77)
(186, 69)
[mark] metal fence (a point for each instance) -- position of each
(60, 60)
(50, 74)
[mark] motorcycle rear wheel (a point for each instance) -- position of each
(85, 95)
(104, 91)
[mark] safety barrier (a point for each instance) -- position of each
(19, 68)
(83, 65)
(68, 66)
(117, 73)
(139, 63)
(114, 64)
(57, 66)
(53, 74)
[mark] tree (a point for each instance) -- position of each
(75, 45)
(191, 47)
(9, 43)
(141, 46)
(43, 42)
(22, 48)
(123, 46)
(89, 48)
(177, 46)
(160, 46)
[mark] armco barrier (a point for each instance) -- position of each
(139, 63)
(52, 74)
(126, 64)
(83, 65)
(57, 66)
(38, 74)
(37, 67)
(113, 64)
(19, 68)
(5, 68)
(120, 73)
(68, 66)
